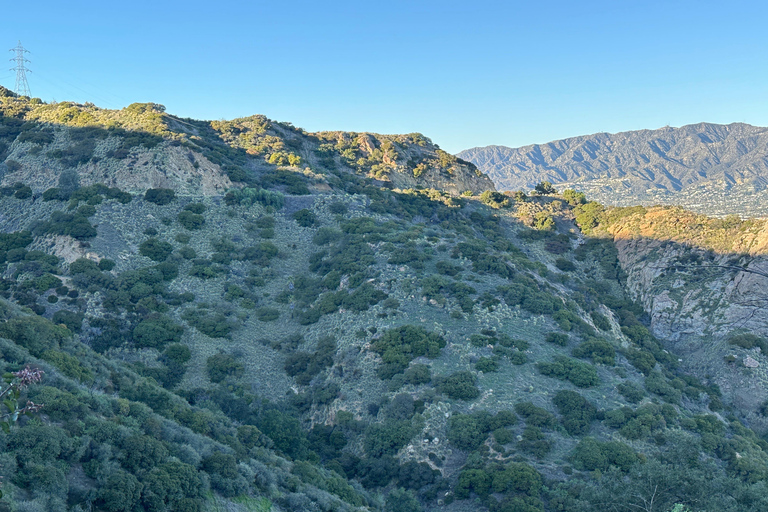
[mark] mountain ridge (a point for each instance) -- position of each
(712, 168)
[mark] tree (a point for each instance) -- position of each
(545, 188)
(9, 396)
(401, 500)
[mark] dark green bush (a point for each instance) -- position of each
(464, 432)
(214, 325)
(191, 221)
(487, 365)
(398, 347)
(155, 249)
(221, 366)
(106, 264)
(631, 392)
(305, 218)
(159, 196)
(598, 350)
(304, 366)
(577, 412)
(641, 359)
(267, 314)
(592, 455)
(23, 193)
(534, 442)
(535, 416)
(34, 333)
(557, 338)
(418, 374)
(582, 375)
(460, 385)
(749, 341)
(196, 208)
(73, 321)
(74, 225)
(156, 331)
(601, 321)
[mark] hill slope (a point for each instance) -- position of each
(714, 169)
(141, 146)
(318, 339)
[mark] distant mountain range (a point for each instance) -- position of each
(715, 169)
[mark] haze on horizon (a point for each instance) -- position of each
(463, 74)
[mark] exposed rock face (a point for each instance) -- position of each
(166, 166)
(696, 309)
(715, 169)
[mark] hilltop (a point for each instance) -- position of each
(238, 315)
(141, 146)
(710, 168)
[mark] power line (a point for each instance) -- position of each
(22, 86)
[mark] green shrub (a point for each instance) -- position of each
(304, 366)
(592, 455)
(487, 365)
(214, 325)
(641, 359)
(630, 392)
(418, 374)
(749, 341)
(599, 351)
(494, 199)
(156, 331)
(582, 375)
(74, 225)
(106, 264)
(68, 365)
(565, 265)
(34, 333)
(557, 338)
(535, 416)
(401, 500)
(196, 208)
(23, 193)
(221, 366)
(656, 383)
(398, 347)
(267, 314)
(388, 437)
(159, 196)
(191, 221)
(577, 411)
(460, 386)
(155, 249)
(464, 432)
(73, 321)
(534, 442)
(601, 321)
(305, 218)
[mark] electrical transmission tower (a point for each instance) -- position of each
(22, 86)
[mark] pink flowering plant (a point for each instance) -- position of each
(15, 382)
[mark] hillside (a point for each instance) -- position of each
(317, 322)
(709, 168)
(703, 282)
(141, 146)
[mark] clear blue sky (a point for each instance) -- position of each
(465, 74)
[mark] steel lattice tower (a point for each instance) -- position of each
(22, 86)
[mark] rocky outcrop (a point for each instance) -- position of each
(698, 298)
(166, 166)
